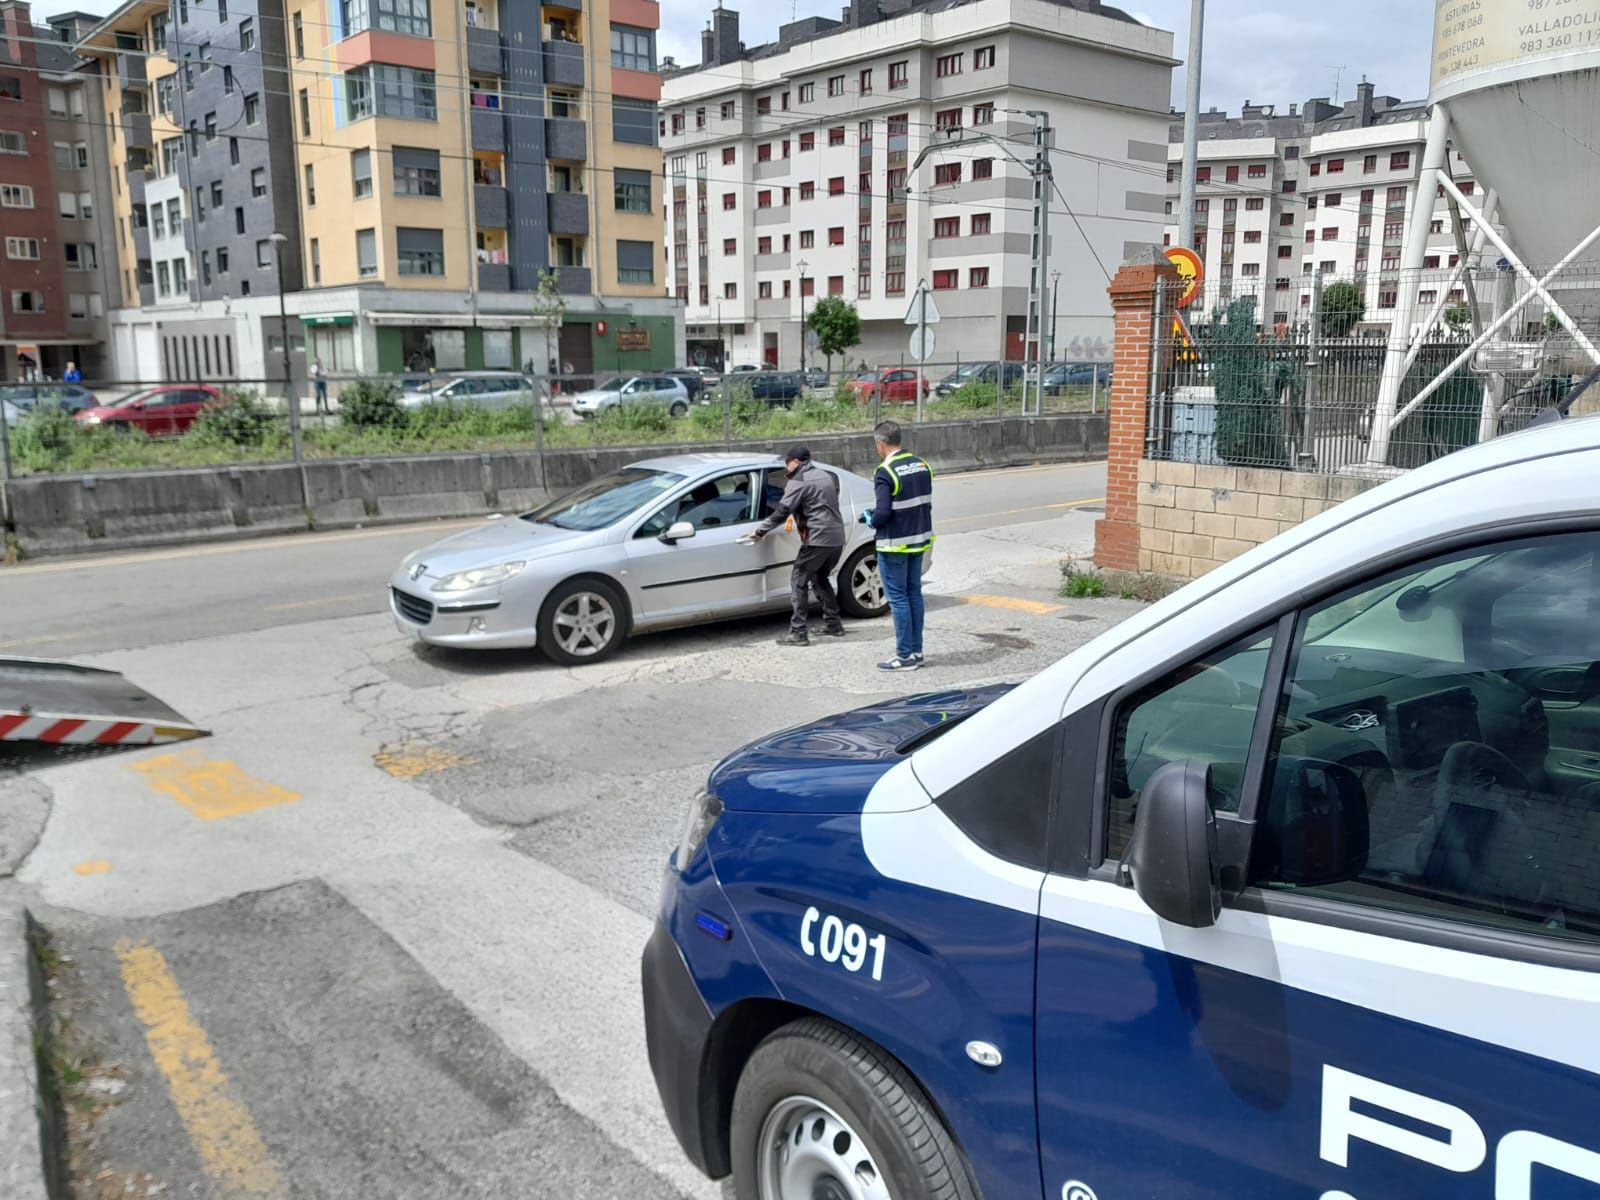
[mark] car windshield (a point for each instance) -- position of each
(970, 370)
(613, 385)
(124, 400)
(606, 500)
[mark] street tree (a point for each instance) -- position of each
(837, 325)
(1343, 307)
(550, 306)
(1458, 317)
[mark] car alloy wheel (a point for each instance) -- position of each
(585, 624)
(866, 584)
(809, 1152)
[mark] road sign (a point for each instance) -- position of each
(923, 310)
(1190, 269)
(922, 343)
(812, 340)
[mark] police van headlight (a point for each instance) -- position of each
(704, 810)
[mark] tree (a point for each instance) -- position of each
(838, 326)
(1457, 317)
(1248, 384)
(550, 306)
(1343, 307)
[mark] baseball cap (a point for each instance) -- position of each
(797, 453)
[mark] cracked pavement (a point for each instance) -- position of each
(415, 954)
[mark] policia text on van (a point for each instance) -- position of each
(1289, 887)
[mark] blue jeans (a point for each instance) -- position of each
(902, 583)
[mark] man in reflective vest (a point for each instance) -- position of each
(903, 522)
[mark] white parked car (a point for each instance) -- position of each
(638, 389)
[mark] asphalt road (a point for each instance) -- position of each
(63, 608)
(378, 936)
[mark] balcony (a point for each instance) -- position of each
(566, 138)
(483, 51)
(131, 69)
(569, 213)
(147, 295)
(137, 178)
(573, 281)
(489, 206)
(494, 277)
(563, 64)
(136, 131)
(488, 129)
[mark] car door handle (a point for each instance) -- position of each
(1590, 766)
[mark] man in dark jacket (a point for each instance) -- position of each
(902, 518)
(812, 499)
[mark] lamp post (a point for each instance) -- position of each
(1055, 313)
(289, 398)
(800, 283)
(722, 347)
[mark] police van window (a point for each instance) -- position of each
(1204, 711)
(1437, 748)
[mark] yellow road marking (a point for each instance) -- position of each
(39, 641)
(1014, 603)
(210, 788)
(94, 866)
(218, 1125)
(423, 760)
(374, 596)
(1013, 512)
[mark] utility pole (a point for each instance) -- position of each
(1055, 310)
(1191, 123)
(800, 285)
(1033, 345)
(291, 401)
(722, 349)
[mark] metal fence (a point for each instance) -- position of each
(49, 426)
(1236, 383)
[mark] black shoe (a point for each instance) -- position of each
(794, 639)
(837, 632)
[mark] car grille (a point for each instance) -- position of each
(413, 608)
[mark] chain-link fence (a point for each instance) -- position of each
(1292, 376)
(52, 426)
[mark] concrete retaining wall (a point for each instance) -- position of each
(65, 514)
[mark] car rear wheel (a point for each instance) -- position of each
(583, 621)
(678, 409)
(861, 591)
(821, 1115)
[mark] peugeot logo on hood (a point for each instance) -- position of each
(419, 570)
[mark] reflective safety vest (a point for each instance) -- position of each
(906, 482)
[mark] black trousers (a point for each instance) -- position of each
(813, 568)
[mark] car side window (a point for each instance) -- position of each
(714, 504)
(1462, 699)
(1204, 711)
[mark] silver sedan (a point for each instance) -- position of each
(651, 546)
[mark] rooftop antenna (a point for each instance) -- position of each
(1338, 78)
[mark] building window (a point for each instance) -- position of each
(808, 239)
(633, 122)
(897, 185)
(1288, 187)
(361, 173)
(764, 290)
(384, 90)
(764, 245)
(1397, 196)
(1285, 251)
(944, 281)
(311, 186)
(730, 247)
(865, 82)
(899, 75)
(233, 151)
(1335, 166)
(419, 251)
(763, 105)
(728, 156)
(395, 16)
(13, 142)
(763, 200)
(808, 141)
(416, 171)
(636, 262)
(1256, 171)
(1254, 204)
(1252, 237)
(836, 136)
(23, 248)
(980, 224)
(727, 110)
(1400, 160)
(227, 81)
(263, 255)
(949, 118)
(983, 168)
(983, 58)
(216, 195)
(252, 109)
(17, 195)
(978, 277)
(947, 227)
(836, 186)
(1332, 199)
(808, 191)
(764, 152)
(983, 114)
(808, 93)
(836, 85)
(677, 122)
(632, 190)
(944, 173)
(730, 201)
(305, 113)
(366, 253)
(730, 291)
(1231, 174)
(238, 220)
(836, 235)
(947, 65)
(299, 37)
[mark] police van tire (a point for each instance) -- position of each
(861, 592)
(867, 1093)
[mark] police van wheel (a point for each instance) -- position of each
(861, 592)
(820, 1114)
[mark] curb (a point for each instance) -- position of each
(22, 1170)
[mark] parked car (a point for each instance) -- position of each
(1254, 896)
(744, 367)
(815, 377)
(666, 390)
(484, 389)
(69, 397)
(781, 388)
(693, 379)
(890, 385)
(653, 545)
(1064, 375)
(164, 411)
(981, 372)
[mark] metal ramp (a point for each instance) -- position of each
(64, 704)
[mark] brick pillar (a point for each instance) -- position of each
(1133, 301)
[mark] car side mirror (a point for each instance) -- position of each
(1172, 858)
(137, 406)
(679, 531)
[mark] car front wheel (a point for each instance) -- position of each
(821, 1114)
(678, 409)
(861, 591)
(583, 621)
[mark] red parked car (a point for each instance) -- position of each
(895, 385)
(164, 411)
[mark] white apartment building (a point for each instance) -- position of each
(1279, 198)
(790, 174)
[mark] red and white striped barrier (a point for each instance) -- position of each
(61, 730)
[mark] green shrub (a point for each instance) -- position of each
(636, 418)
(47, 440)
(974, 397)
(372, 404)
(1081, 581)
(706, 420)
(241, 420)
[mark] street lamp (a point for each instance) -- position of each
(278, 241)
(801, 266)
(1055, 313)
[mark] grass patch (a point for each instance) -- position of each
(1081, 580)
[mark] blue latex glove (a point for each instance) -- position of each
(866, 518)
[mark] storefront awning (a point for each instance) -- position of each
(444, 321)
(341, 318)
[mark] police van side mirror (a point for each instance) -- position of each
(1172, 858)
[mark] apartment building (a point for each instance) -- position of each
(58, 271)
(417, 170)
(1280, 197)
(790, 173)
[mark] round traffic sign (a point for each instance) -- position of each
(1191, 269)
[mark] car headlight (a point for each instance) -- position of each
(465, 581)
(704, 810)
(91, 420)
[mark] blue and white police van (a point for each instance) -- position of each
(1288, 888)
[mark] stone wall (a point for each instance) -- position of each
(1193, 518)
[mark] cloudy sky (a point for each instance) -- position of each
(1254, 51)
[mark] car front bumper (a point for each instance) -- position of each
(479, 624)
(677, 1025)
